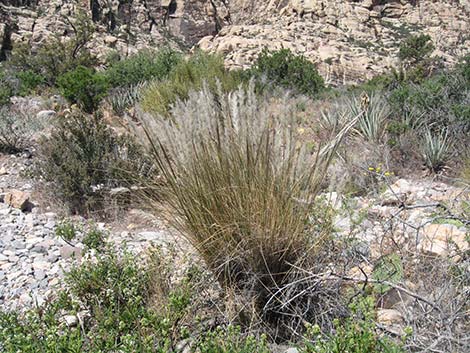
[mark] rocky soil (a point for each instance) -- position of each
(349, 40)
(32, 257)
(418, 217)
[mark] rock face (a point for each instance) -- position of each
(122, 25)
(349, 40)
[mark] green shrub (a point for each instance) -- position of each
(416, 49)
(82, 159)
(29, 81)
(116, 292)
(188, 75)
(355, 334)
(144, 66)
(292, 71)
(231, 340)
(84, 87)
(52, 58)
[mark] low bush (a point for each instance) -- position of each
(188, 75)
(83, 86)
(82, 159)
(111, 298)
(416, 49)
(144, 66)
(29, 81)
(291, 71)
(355, 334)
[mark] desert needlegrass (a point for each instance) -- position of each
(241, 185)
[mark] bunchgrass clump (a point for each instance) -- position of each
(241, 186)
(17, 127)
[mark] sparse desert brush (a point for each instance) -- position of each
(241, 187)
(83, 158)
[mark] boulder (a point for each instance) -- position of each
(18, 199)
(442, 239)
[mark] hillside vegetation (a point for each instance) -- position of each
(291, 197)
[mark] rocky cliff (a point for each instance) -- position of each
(350, 40)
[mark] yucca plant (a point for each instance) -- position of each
(241, 185)
(373, 111)
(122, 98)
(435, 149)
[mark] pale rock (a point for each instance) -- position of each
(442, 239)
(70, 320)
(45, 114)
(68, 251)
(389, 316)
(18, 199)
(362, 272)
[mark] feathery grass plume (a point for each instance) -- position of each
(241, 186)
(435, 149)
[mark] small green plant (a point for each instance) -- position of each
(84, 87)
(67, 231)
(389, 268)
(231, 340)
(435, 149)
(94, 238)
(144, 66)
(355, 334)
(111, 299)
(292, 71)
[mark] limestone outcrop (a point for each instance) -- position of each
(349, 40)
